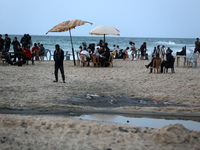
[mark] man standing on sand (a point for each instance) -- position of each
(143, 50)
(58, 58)
(7, 42)
(197, 45)
(1, 43)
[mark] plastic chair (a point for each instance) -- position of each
(3, 60)
(83, 59)
(95, 61)
(51, 54)
(45, 53)
(67, 56)
(37, 54)
(156, 65)
(78, 60)
(110, 61)
(192, 60)
(172, 67)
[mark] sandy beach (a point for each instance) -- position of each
(30, 87)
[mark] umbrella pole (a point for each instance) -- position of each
(72, 47)
(104, 41)
(104, 38)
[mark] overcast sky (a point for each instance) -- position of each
(134, 18)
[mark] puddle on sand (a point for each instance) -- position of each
(116, 118)
(143, 122)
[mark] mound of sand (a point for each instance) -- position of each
(37, 132)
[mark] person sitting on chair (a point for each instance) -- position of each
(169, 61)
(27, 54)
(183, 52)
(96, 51)
(86, 53)
(151, 63)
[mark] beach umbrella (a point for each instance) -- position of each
(67, 26)
(104, 30)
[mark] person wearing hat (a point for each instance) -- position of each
(170, 60)
(58, 58)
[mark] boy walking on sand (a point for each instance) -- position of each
(58, 58)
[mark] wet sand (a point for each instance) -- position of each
(31, 87)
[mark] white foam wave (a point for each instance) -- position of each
(166, 43)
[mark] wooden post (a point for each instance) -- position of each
(72, 48)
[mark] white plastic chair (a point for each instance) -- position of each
(192, 60)
(51, 54)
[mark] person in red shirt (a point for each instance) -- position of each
(27, 54)
(36, 50)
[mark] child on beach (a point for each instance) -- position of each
(133, 49)
(124, 53)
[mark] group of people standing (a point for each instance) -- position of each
(22, 53)
(160, 51)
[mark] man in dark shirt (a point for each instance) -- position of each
(1, 43)
(15, 43)
(24, 40)
(143, 50)
(7, 42)
(42, 50)
(151, 63)
(197, 45)
(170, 60)
(58, 58)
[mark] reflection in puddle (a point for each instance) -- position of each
(144, 122)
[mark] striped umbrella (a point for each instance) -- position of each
(68, 25)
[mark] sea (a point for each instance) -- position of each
(49, 42)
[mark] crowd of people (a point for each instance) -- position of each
(168, 63)
(101, 51)
(21, 49)
(159, 53)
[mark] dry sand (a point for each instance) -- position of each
(31, 87)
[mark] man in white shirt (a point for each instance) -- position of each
(96, 51)
(86, 53)
(114, 47)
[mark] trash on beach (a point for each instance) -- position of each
(142, 101)
(167, 103)
(112, 101)
(158, 102)
(91, 96)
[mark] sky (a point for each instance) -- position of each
(134, 18)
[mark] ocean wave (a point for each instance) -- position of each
(166, 43)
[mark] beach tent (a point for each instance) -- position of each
(67, 26)
(104, 30)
